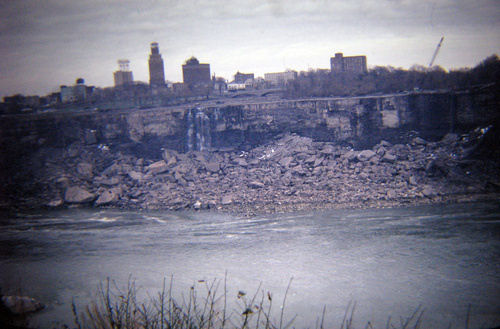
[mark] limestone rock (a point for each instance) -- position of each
(227, 199)
(365, 155)
(389, 157)
(212, 166)
(170, 157)
(285, 162)
(197, 205)
(157, 167)
(256, 184)
(428, 191)
(108, 196)
(77, 194)
(20, 305)
(84, 169)
(136, 175)
(55, 203)
(241, 162)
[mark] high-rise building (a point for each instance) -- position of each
(349, 64)
(156, 70)
(123, 76)
(195, 74)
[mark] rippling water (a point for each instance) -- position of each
(388, 261)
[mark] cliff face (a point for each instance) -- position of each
(360, 122)
(168, 157)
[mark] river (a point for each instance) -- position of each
(387, 261)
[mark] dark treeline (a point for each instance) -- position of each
(387, 79)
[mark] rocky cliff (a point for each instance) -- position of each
(330, 151)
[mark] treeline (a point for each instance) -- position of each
(387, 79)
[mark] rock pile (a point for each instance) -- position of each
(290, 173)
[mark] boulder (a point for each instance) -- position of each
(20, 305)
(212, 167)
(350, 155)
(170, 157)
(77, 194)
(157, 167)
(55, 203)
(227, 199)
(285, 162)
(136, 175)
(255, 184)
(365, 155)
(388, 157)
(103, 180)
(108, 196)
(450, 138)
(241, 162)
(419, 141)
(391, 194)
(197, 205)
(428, 191)
(84, 169)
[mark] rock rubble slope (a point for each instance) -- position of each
(290, 173)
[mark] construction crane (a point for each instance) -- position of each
(436, 52)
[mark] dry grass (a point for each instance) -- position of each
(120, 309)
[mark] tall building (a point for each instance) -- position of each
(156, 70)
(349, 64)
(123, 76)
(195, 74)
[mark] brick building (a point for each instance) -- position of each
(349, 64)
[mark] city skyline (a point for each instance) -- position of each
(45, 44)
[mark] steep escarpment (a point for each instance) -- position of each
(251, 155)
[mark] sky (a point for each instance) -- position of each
(48, 43)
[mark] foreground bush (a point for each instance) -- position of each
(116, 309)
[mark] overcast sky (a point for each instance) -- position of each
(47, 43)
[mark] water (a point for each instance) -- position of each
(388, 261)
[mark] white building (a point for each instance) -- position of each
(280, 79)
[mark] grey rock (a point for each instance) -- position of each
(212, 167)
(350, 155)
(77, 194)
(450, 138)
(285, 162)
(256, 184)
(136, 175)
(388, 157)
(170, 157)
(55, 203)
(391, 194)
(20, 305)
(84, 169)
(197, 205)
(108, 196)
(428, 191)
(157, 167)
(111, 181)
(241, 162)
(365, 155)
(226, 199)
(419, 141)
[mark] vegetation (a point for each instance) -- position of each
(116, 309)
(322, 83)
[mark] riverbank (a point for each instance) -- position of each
(289, 173)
